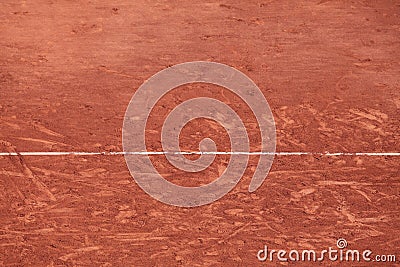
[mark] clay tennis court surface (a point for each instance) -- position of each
(68, 69)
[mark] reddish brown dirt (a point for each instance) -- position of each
(329, 70)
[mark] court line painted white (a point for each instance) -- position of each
(150, 153)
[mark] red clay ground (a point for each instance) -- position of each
(329, 70)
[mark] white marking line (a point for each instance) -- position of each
(149, 153)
